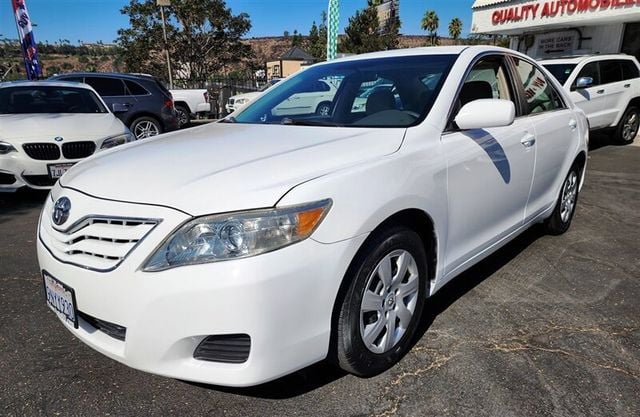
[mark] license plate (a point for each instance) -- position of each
(61, 299)
(58, 170)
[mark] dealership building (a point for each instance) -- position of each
(548, 28)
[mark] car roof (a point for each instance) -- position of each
(106, 74)
(576, 59)
(44, 84)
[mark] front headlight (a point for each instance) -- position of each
(223, 237)
(6, 147)
(117, 140)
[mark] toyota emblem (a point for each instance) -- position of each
(61, 210)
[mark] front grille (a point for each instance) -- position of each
(230, 348)
(110, 329)
(42, 151)
(77, 150)
(7, 179)
(97, 243)
(40, 180)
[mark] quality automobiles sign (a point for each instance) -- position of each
(556, 8)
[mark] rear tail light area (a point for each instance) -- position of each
(206, 96)
(228, 348)
(168, 103)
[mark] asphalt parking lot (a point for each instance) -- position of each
(546, 326)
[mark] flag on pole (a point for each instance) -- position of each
(332, 30)
(27, 41)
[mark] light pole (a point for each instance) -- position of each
(162, 4)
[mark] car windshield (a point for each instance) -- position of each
(48, 99)
(560, 71)
(381, 92)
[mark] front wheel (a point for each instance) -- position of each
(184, 117)
(381, 309)
(628, 126)
(145, 127)
(562, 215)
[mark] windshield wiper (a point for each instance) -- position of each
(308, 122)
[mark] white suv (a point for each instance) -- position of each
(606, 87)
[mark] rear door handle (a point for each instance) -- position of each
(573, 124)
(627, 85)
(528, 141)
(600, 91)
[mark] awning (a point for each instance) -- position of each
(483, 3)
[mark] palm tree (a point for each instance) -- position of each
(455, 29)
(430, 23)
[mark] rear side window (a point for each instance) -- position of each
(610, 71)
(629, 69)
(540, 94)
(105, 86)
(135, 89)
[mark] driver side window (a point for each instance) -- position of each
(487, 79)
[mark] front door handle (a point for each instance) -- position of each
(627, 85)
(573, 124)
(600, 91)
(528, 141)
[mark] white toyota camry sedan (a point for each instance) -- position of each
(238, 252)
(46, 127)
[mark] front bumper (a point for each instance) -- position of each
(283, 300)
(27, 172)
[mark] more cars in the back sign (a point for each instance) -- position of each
(46, 127)
(241, 251)
(141, 101)
(606, 87)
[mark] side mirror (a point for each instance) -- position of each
(486, 112)
(119, 108)
(584, 82)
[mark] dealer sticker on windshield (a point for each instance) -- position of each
(61, 299)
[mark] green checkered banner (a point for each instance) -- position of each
(332, 30)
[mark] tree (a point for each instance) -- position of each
(296, 39)
(203, 36)
(363, 33)
(316, 42)
(430, 23)
(455, 28)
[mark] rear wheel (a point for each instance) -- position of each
(628, 126)
(145, 127)
(324, 109)
(383, 303)
(184, 117)
(562, 215)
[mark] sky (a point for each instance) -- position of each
(94, 20)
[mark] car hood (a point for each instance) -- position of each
(226, 167)
(23, 128)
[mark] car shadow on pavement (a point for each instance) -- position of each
(323, 373)
(20, 202)
(601, 138)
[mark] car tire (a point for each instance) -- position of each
(560, 220)
(377, 294)
(145, 127)
(184, 116)
(324, 109)
(628, 127)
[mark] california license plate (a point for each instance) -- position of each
(58, 170)
(61, 299)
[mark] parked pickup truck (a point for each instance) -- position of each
(605, 87)
(189, 103)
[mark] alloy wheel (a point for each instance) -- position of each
(389, 301)
(569, 194)
(145, 129)
(630, 126)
